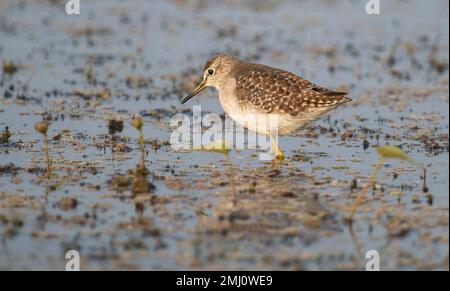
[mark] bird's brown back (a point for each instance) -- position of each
(277, 91)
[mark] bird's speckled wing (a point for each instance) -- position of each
(277, 91)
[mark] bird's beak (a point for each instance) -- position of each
(197, 90)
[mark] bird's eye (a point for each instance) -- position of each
(211, 72)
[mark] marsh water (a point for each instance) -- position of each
(121, 58)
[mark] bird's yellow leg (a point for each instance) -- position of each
(275, 146)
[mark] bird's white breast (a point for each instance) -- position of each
(250, 117)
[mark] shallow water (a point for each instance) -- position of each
(119, 58)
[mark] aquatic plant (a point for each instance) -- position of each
(5, 135)
(137, 122)
(140, 183)
(386, 152)
(42, 128)
(115, 126)
(9, 68)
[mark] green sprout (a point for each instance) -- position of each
(42, 128)
(137, 122)
(386, 152)
(140, 183)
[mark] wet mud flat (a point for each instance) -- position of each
(128, 207)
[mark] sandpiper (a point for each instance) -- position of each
(246, 89)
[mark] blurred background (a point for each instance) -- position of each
(90, 73)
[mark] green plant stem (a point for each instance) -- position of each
(47, 155)
(363, 192)
(141, 143)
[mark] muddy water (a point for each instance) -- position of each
(119, 58)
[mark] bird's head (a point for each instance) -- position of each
(215, 73)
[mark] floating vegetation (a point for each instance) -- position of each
(393, 152)
(9, 68)
(5, 135)
(115, 126)
(220, 147)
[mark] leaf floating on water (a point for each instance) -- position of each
(220, 147)
(393, 152)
